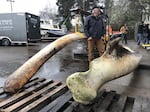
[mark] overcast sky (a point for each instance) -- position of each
(31, 6)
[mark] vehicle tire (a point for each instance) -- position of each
(5, 42)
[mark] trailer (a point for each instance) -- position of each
(19, 28)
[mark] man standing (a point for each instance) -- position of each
(140, 33)
(145, 33)
(94, 30)
(124, 31)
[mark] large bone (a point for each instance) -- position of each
(117, 61)
(23, 74)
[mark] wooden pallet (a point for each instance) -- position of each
(41, 95)
(113, 102)
(35, 95)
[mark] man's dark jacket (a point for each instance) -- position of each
(94, 27)
(140, 29)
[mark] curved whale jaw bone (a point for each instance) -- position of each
(24, 73)
(111, 65)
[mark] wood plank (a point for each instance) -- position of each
(28, 99)
(106, 102)
(32, 107)
(137, 105)
(57, 104)
(99, 96)
(119, 106)
(33, 79)
(71, 107)
(97, 101)
(17, 97)
(39, 86)
(146, 105)
(34, 82)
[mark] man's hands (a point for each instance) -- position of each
(90, 38)
(103, 38)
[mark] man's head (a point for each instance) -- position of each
(96, 11)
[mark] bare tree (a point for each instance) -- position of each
(48, 12)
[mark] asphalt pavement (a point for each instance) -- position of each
(61, 65)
